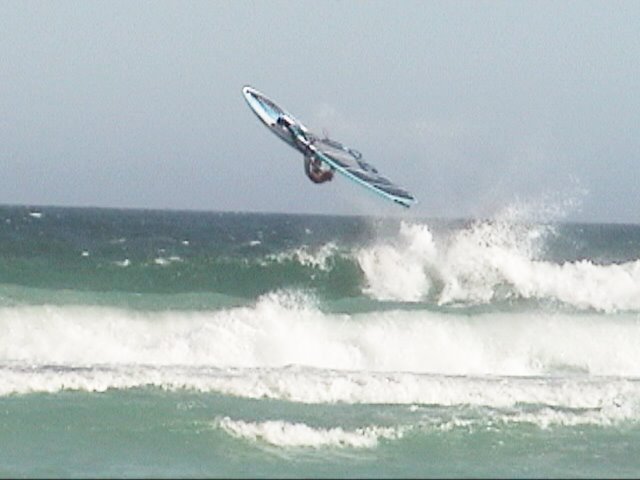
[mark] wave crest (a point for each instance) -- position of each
(288, 328)
(492, 260)
(286, 434)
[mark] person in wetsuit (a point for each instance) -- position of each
(315, 171)
(313, 166)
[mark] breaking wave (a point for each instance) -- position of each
(286, 348)
(285, 434)
(543, 369)
(489, 261)
(287, 328)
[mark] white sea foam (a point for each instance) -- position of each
(285, 434)
(399, 271)
(288, 329)
(164, 261)
(308, 256)
(488, 261)
(285, 348)
(544, 402)
(543, 418)
(487, 402)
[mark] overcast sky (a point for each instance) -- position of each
(471, 106)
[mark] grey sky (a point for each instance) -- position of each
(469, 105)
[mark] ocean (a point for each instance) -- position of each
(140, 343)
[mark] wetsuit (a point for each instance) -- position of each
(312, 166)
(314, 170)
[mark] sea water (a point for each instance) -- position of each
(191, 344)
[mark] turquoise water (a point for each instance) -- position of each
(153, 433)
(150, 343)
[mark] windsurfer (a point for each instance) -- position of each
(313, 167)
(315, 171)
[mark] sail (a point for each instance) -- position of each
(350, 163)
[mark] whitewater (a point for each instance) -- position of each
(182, 343)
